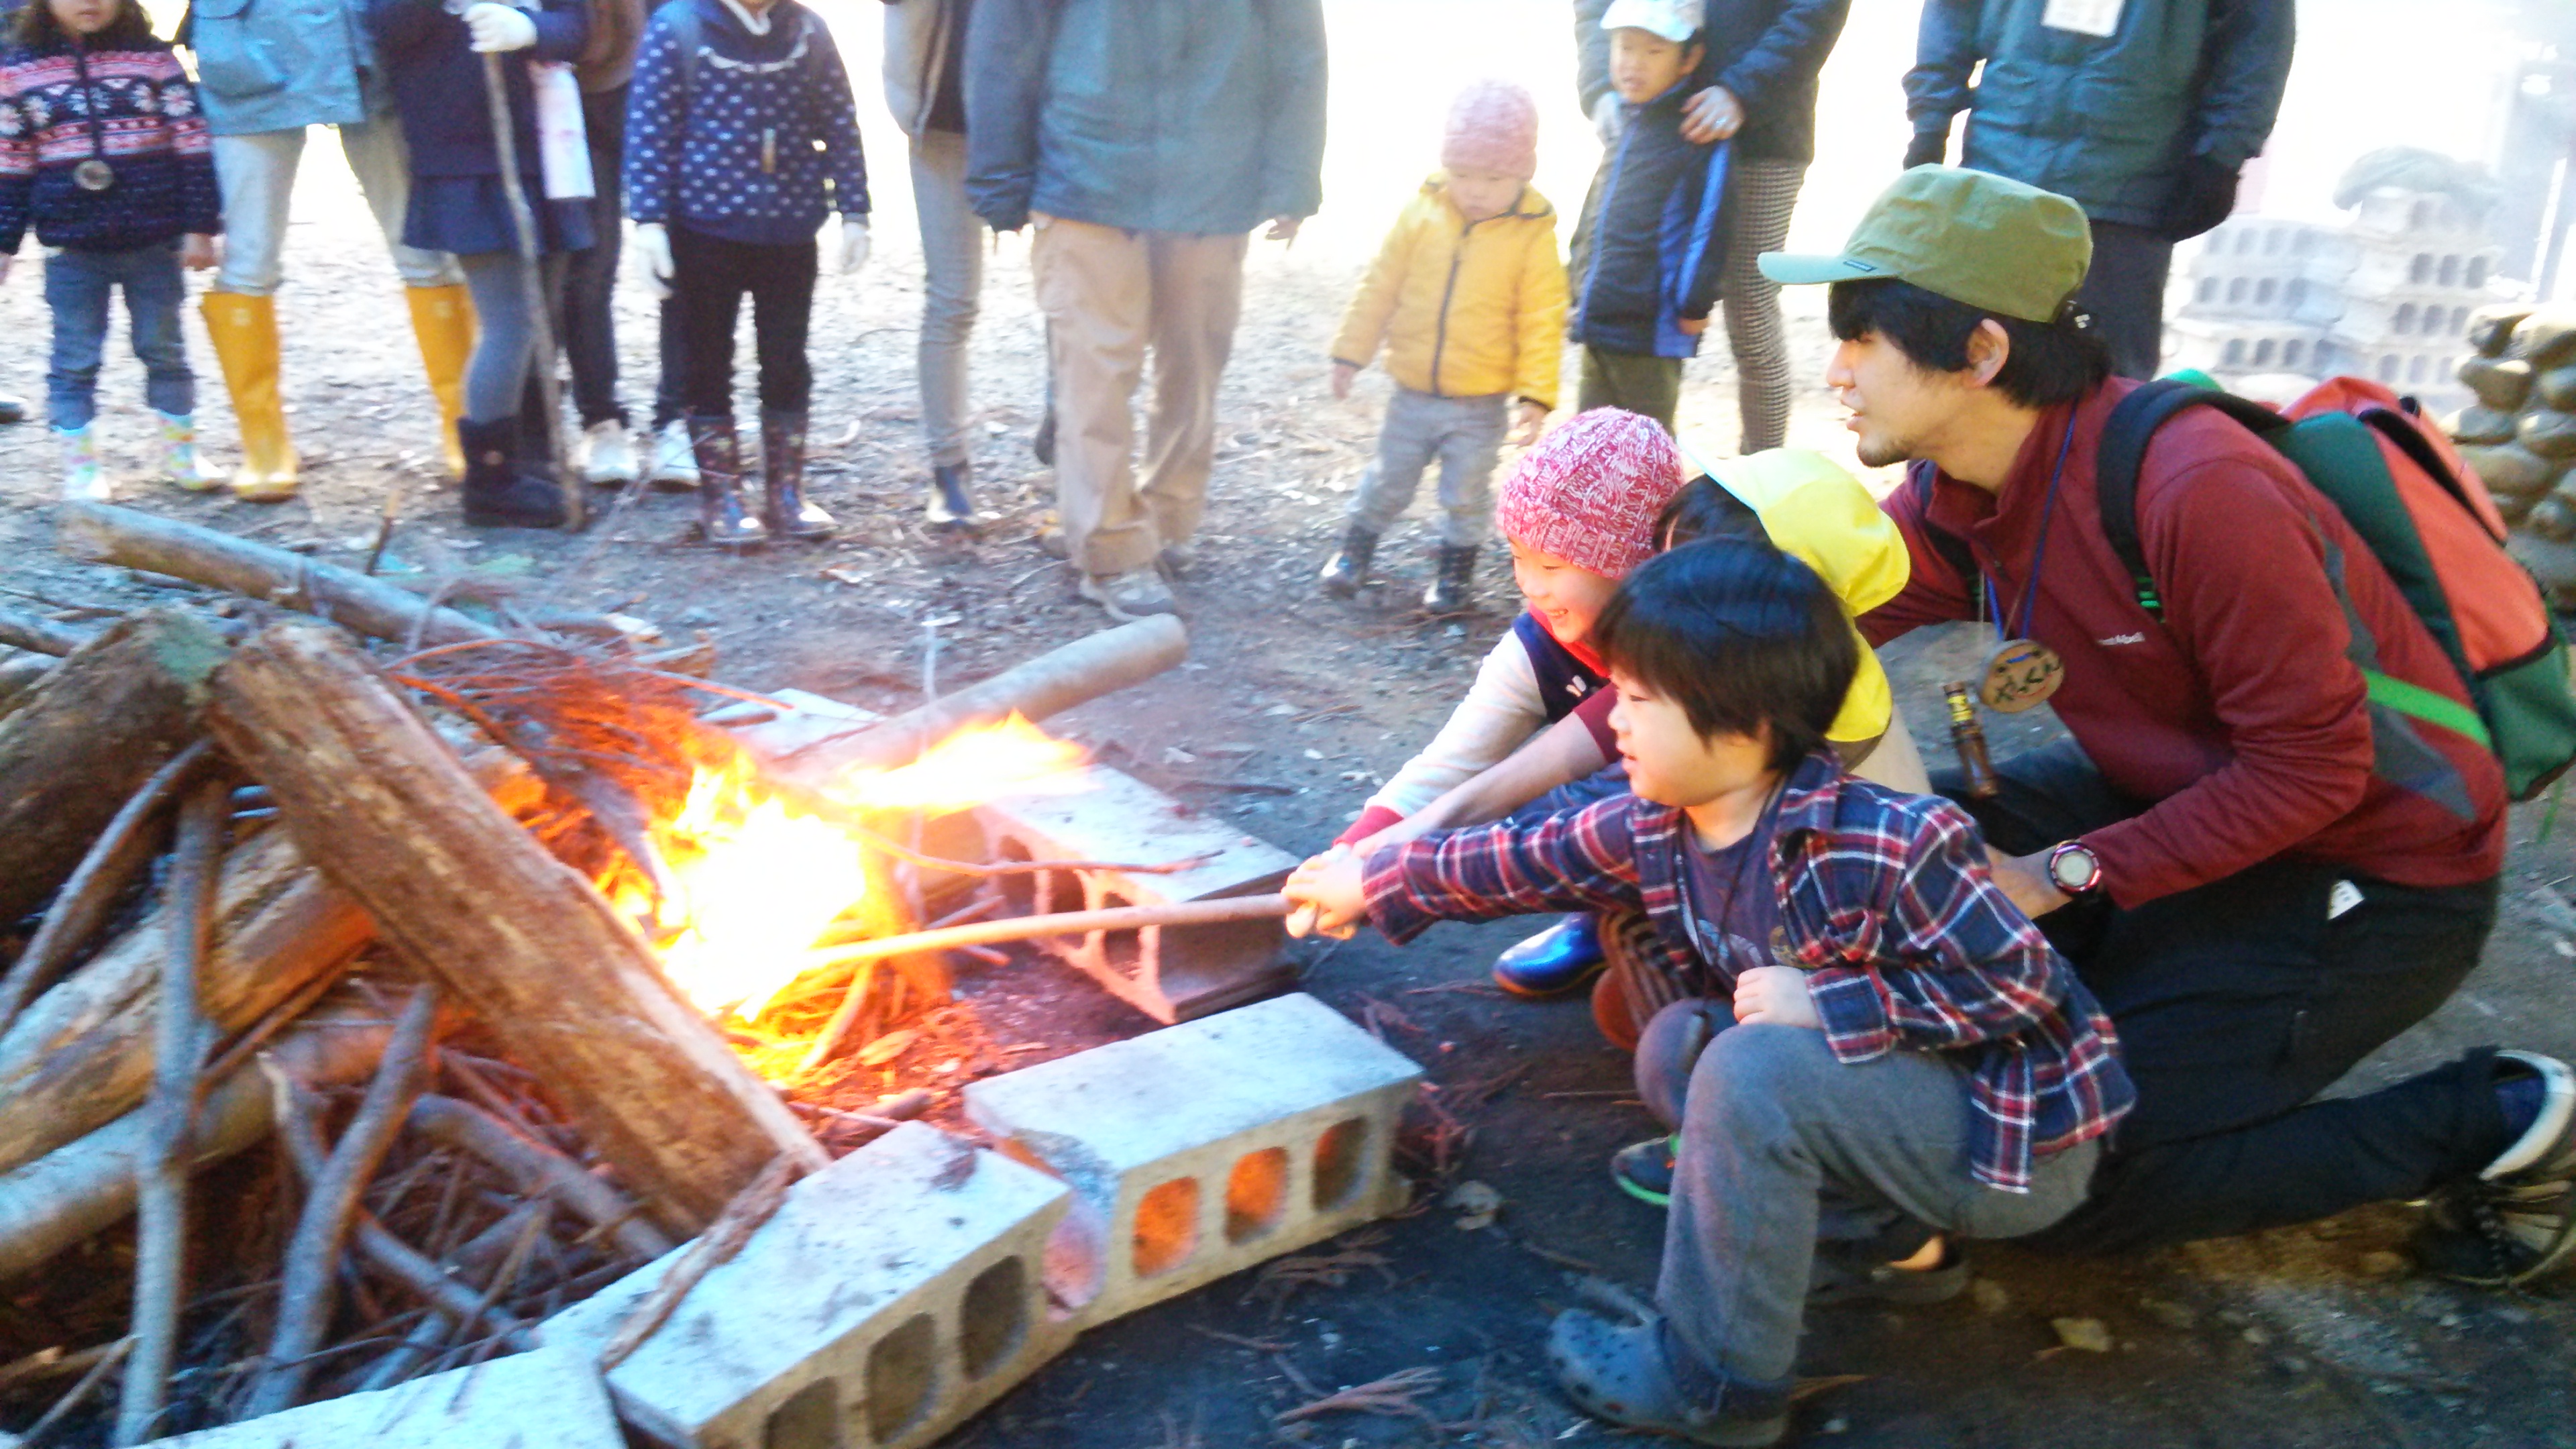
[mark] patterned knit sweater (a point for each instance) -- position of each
(749, 137)
(129, 104)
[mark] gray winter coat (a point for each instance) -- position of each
(2110, 121)
(1195, 116)
(282, 65)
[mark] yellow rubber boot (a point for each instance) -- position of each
(244, 330)
(443, 319)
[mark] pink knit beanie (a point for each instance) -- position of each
(1493, 126)
(1588, 493)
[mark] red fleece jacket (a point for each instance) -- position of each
(2242, 715)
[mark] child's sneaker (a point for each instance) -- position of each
(1345, 571)
(1453, 589)
(1644, 1170)
(83, 479)
(179, 461)
(607, 455)
(675, 461)
(1136, 594)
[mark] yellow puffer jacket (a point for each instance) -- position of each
(1463, 310)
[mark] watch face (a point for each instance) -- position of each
(2074, 868)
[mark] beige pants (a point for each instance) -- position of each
(1109, 295)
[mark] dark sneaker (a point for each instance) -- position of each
(2517, 1223)
(1859, 1273)
(1644, 1170)
(1638, 1376)
(1553, 962)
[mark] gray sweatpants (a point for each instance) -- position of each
(1780, 1141)
(1465, 434)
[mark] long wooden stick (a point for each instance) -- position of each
(179, 1048)
(305, 1296)
(1063, 923)
(82, 904)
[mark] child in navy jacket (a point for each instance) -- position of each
(103, 150)
(741, 139)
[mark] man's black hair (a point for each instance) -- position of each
(1704, 509)
(1740, 635)
(2049, 362)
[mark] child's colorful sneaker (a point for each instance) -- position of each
(83, 478)
(1644, 1170)
(179, 460)
(1553, 962)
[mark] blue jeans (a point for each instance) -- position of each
(76, 287)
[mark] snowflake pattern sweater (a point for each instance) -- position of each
(748, 137)
(130, 104)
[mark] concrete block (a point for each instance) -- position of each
(894, 1294)
(775, 736)
(545, 1399)
(1170, 974)
(1207, 1147)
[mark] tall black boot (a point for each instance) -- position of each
(784, 509)
(1454, 590)
(1346, 570)
(720, 514)
(497, 494)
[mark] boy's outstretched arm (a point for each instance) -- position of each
(1584, 860)
(1952, 961)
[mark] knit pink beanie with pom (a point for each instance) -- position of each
(1589, 492)
(1493, 126)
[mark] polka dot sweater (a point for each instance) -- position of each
(752, 138)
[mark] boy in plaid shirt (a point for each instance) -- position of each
(1896, 1051)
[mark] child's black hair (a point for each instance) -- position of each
(2050, 362)
(1704, 509)
(1740, 635)
(35, 25)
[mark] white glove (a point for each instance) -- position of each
(497, 27)
(1607, 118)
(854, 242)
(653, 258)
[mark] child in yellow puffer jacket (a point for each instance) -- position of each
(1467, 296)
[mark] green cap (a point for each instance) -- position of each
(1996, 244)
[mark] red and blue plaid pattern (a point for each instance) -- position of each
(1884, 899)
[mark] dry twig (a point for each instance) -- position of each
(723, 1238)
(1392, 1396)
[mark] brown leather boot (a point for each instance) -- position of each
(720, 514)
(784, 507)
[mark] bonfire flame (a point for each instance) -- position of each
(759, 882)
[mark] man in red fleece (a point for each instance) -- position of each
(2262, 873)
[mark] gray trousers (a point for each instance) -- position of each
(1779, 1142)
(952, 264)
(1465, 434)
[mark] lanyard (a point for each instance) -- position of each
(92, 174)
(2038, 551)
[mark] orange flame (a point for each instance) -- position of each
(758, 883)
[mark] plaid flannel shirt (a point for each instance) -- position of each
(1884, 900)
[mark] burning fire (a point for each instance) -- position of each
(759, 882)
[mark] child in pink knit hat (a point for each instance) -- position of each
(1467, 301)
(1579, 512)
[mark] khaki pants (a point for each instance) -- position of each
(1109, 295)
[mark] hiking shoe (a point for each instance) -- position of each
(1553, 962)
(1135, 594)
(1847, 1272)
(2516, 1223)
(1639, 1376)
(1644, 1170)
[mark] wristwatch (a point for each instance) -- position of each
(2074, 868)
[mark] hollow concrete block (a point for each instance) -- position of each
(1171, 973)
(894, 1294)
(545, 1399)
(1204, 1148)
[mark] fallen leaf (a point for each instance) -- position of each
(887, 1047)
(2088, 1334)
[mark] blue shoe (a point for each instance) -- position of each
(1553, 962)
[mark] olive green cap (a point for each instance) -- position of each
(1996, 244)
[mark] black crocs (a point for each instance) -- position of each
(1637, 1377)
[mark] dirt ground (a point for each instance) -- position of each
(1290, 709)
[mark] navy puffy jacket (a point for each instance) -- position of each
(1653, 236)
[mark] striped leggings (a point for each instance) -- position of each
(1766, 192)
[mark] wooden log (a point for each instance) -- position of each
(87, 1185)
(20, 673)
(109, 715)
(81, 1054)
(458, 889)
(1055, 681)
(106, 534)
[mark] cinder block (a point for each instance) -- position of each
(1169, 973)
(1207, 1147)
(893, 1294)
(781, 738)
(545, 1399)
